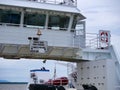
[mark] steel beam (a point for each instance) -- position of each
(17, 51)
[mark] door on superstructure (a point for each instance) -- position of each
(79, 36)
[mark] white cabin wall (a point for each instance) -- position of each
(17, 35)
(100, 73)
(111, 75)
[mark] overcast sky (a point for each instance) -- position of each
(100, 14)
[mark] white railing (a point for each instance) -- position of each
(92, 40)
(61, 2)
(82, 39)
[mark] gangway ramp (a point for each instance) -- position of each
(17, 51)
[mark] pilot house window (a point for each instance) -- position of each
(57, 22)
(35, 19)
(9, 16)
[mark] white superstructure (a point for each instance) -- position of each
(39, 76)
(55, 29)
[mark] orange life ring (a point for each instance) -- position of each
(106, 36)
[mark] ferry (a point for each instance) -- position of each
(55, 30)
